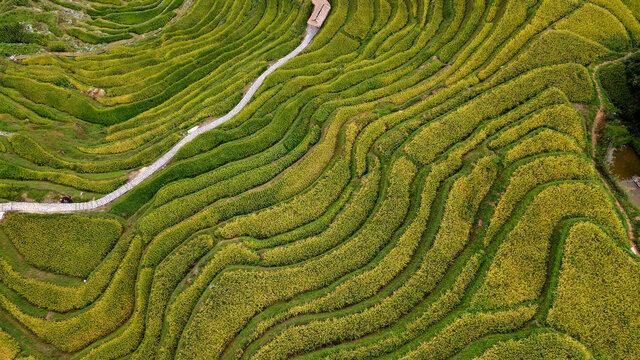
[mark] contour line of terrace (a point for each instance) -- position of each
(318, 16)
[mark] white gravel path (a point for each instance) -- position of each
(162, 161)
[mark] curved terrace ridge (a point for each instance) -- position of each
(311, 32)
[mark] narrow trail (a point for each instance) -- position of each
(162, 161)
(597, 123)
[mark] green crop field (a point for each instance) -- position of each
(423, 181)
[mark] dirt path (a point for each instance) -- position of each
(146, 172)
(597, 124)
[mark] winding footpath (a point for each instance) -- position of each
(164, 160)
(597, 122)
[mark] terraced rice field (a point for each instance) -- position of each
(28, 26)
(417, 183)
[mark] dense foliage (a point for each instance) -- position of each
(621, 82)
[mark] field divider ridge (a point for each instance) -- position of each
(169, 155)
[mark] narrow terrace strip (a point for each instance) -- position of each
(164, 160)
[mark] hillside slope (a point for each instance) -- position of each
(418, 183)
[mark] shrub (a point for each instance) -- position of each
(57, 46)
(614, 81)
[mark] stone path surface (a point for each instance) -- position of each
(164, 160)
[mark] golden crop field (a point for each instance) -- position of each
(242, 179)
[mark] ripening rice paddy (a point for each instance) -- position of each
(243, 179)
